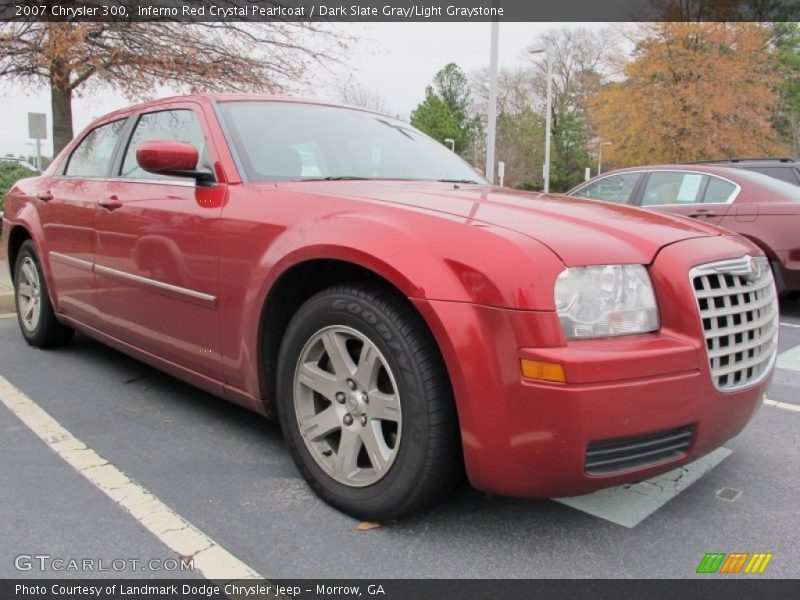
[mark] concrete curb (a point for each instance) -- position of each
(6, 289)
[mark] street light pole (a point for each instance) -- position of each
(548, 122)
(549, 116)
(600, 144)
(599, 158)
(491, 124)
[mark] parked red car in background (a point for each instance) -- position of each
(761, 208)
(339, 270)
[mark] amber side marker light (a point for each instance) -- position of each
(544, 371)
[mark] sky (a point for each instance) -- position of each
(396, 60)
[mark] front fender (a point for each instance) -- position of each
(424, 255)
(434, 259)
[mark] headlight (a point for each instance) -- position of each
(605, 301)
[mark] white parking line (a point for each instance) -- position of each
(789, 360)
(8, 315)
(210, 559)
(783, 405)
(628, 505)
(791, 325)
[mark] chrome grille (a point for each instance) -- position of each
(738, 307)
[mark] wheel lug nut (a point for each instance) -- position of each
(348, 419)
(364, 398)
(340, 397)
(363, 420)
(351, 384)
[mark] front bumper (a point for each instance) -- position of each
(529, 438)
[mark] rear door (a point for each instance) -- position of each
(157, 259)
(687, 193)
(67, 212)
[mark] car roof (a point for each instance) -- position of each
(780, 161)
(723, 171)
(227, 97)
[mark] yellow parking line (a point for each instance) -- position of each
(210, 559)
(8, 315)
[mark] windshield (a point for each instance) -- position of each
(287, 141)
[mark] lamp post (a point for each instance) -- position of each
(491, 118)
(600, 144)
(452, 143)
(549, 117)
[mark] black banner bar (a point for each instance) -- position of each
(707, 588)
(399, 10)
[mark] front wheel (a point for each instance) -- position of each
(365, 403)
(35, 314)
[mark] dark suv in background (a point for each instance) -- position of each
(785, 169)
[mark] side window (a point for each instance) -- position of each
(179, 125)
(672, 187)
(614, 188)
(719, 191)
(93, 154)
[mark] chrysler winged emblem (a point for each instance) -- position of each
(754, 269)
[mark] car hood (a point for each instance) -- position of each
(580, 232)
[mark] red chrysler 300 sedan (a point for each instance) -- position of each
(339, 270)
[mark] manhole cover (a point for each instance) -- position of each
(728, 494)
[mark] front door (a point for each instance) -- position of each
(157, 250)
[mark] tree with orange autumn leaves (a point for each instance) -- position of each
(71, 58)
(692, 91)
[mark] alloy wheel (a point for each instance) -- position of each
(347, 406)
(29, 292)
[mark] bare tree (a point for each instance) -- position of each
(520, 130)
(349, 91)
(583, 60)
(70, 58)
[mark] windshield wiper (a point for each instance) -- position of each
(336, 178)
(457, 181)
(397, 128)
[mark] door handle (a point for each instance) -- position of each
(45, 195)
(110, 203)
(703, 212)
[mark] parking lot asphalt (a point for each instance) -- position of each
(226, 471)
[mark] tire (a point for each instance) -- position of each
(400, 450)
(37, 320)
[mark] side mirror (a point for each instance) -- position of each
(168, 157)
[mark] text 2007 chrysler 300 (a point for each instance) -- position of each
(402, 318)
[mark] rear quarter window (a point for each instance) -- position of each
(719, 191)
